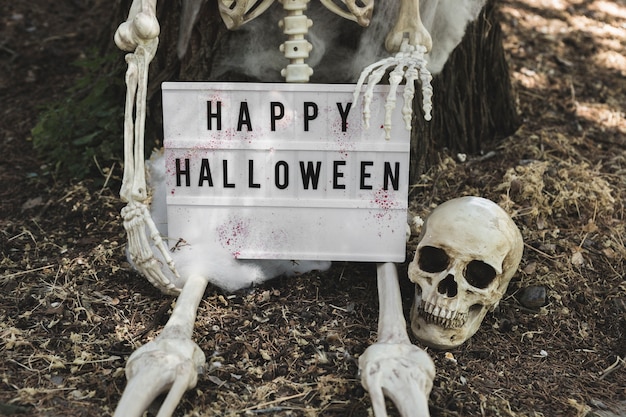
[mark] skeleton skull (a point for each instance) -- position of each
(468, 251)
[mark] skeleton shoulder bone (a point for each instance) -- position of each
(393, 363)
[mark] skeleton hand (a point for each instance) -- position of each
(408, 64)
(402, 372)
(410, 41)
(138, 223)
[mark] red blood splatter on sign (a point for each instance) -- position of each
(233, 235)
(385, 201)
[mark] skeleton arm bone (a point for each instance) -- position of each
(409, 24)
(393, 367)
(139, 35)
(170, 362)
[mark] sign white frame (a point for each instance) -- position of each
(285, 171)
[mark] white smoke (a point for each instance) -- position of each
(207, 257)
(252, 51)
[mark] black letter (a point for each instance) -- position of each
(225, 169)
(251, 183)
(285, 166)
(344, 115)
(364, 175)
(244, 117)
(276, 116)
(394, 179)
(309, 105)
(337, 175)
(217, 115)
(205, 173)
(310, 174)
(184, 172)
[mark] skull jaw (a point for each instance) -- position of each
(442, 337)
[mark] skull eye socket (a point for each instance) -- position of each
(433, 259)
(479, 274)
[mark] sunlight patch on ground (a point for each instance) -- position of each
(549, 4)
(596, 28)
(611, 59)
(610, 8)
(602, 115)
(544, 25)
(530, 79)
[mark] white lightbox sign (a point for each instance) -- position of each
(285, 171)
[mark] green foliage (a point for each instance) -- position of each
(87, 125)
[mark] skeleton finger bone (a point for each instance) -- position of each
(409, 63)
(392, 366)
(395, 77)
(411, 76)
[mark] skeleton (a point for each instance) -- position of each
(171, 363)
(468, 252)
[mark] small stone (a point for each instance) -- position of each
(533, 297)
(450, 357)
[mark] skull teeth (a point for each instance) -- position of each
(440, 316)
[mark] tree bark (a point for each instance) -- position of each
(473, 102)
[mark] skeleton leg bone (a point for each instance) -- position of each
(394, 367)
(170, 362)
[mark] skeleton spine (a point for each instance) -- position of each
(296, 48)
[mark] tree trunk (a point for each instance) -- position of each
(473, 103)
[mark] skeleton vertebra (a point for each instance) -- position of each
(468, 251)
(296, 49)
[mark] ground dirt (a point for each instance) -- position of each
(72, 310)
